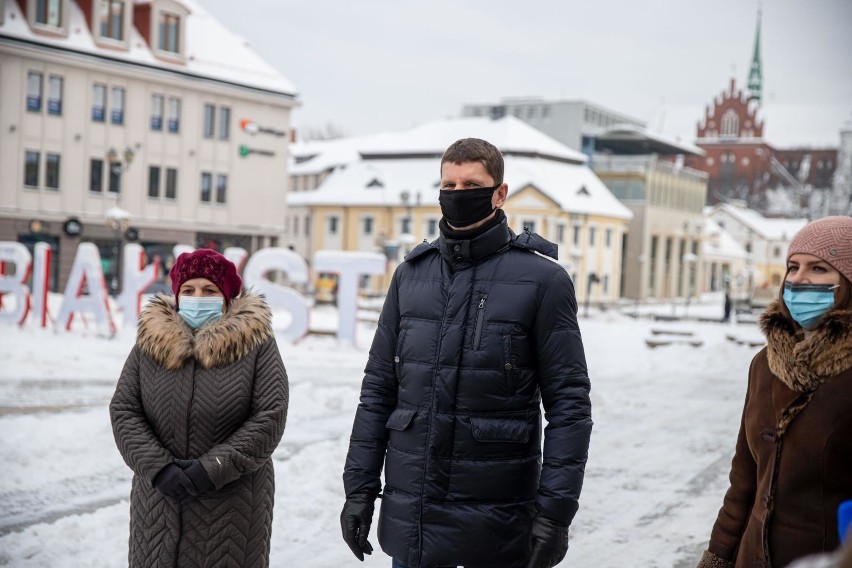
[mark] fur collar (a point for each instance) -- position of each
(164, 336)
(802, 364)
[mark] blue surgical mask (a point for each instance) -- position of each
(197, 311)
(808, 302)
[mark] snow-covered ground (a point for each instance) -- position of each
(665, 426)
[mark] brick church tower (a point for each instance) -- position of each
(743, 166)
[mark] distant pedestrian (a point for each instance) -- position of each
(198, 409)
(793, 462)
(728, 307)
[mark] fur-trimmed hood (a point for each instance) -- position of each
(164, 336)
(802, 363)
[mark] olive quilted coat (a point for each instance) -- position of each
(219, 395)
(474, 335)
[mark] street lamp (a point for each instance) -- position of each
(406, 236)
(117, 219)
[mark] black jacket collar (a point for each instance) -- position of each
(461, 252)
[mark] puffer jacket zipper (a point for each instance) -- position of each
(186, 456)
(480, 319)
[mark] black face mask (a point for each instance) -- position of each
(463, 207)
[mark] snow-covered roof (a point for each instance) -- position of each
(381, 183)
(511, 135)
(769, 229)
(719, 244)
(212, 51)
(630, 136)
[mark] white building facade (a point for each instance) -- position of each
(149, 108)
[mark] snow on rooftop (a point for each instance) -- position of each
(719, 244)
(212, 51)
(770, 229)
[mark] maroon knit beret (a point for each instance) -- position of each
(829, 239)
(209, 264)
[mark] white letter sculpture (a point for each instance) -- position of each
(17, 254)
(86, 272)
(285, 260)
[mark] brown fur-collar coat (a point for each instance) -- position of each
(165, 337)
(793, 462)
(218, 395)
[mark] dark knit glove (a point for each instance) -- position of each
(173, 483)
(710, 560)
(355, 520)
(549, 542)
(197, 475)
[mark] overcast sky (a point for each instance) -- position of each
(371, 65)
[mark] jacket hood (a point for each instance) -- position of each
(802, 363)
(164, 336)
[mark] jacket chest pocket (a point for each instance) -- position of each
(510, 365)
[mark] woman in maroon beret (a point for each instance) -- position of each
(198, 410)
(793, 461)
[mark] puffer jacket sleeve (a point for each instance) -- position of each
(251, 445)
(564, 384)
(136, 440)
(369, 438)
(736, 507)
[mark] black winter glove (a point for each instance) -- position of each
(549, 541)
(174, 484)
(197, 475)
(355, 521)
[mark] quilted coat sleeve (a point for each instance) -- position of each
(248, 448)
(368, 442)
(139, 446)
(736, 507)
(564, 384)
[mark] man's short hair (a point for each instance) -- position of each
(476, 150)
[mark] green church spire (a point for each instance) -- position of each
(755, 74)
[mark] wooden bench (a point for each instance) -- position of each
(663, 341)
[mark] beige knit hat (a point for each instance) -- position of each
(830, 239)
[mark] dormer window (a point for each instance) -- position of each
(49, 13)
(169, 30)
(111, 19)
(47, 16)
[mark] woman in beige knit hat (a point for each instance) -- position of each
(793, 461)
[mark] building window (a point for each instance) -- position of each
(157, 112)
(206, 185)
(405, 226)
(368, 225)
(308, 226)
(169, 30)
(117, 110)
(592, 232)
(174, 114)
(577, 230)
(209, 121)
(112, 19)
(777, 252)
(295, 224)
(114, 179)
(34, 91)
(432, 227)
(332, 225)
(171, 183)
(51, 178)
(606, 284)
(49, 13)
(54, 95)
(730, 123)
(98, 102)
(154, 181)
(96, 175)
(529, 225)
(224, 123)
(31, 168)
(560, 233)
(608, 238)
(221, 188)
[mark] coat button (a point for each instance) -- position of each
(764, 499)
(508, 366)
(768, 435)
(457, 248)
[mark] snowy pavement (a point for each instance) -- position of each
(665, 426)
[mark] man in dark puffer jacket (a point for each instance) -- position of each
(476, 332)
